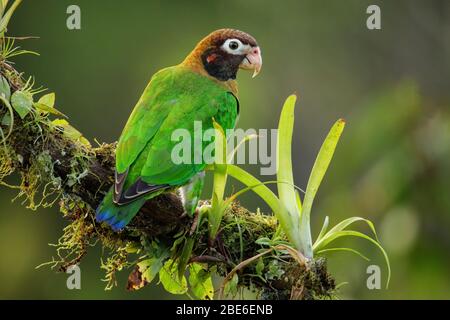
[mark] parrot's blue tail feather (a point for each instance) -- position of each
(117, 216)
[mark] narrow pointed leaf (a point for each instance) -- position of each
(321, 165)
(283, 215)
(185, 256)
(350, 233)
(344, 224)
(5, 18)
(48, 99)
(5, 89)
(344, 249)
(324, 228)
(317, 173)
(46, 108)
(286, 191)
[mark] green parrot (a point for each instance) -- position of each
(201, 88)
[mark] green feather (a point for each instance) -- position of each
(174, 99)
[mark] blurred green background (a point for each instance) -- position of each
(391, 85)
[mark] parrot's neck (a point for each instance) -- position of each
(194, 62)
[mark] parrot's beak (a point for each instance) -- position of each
(252, 61)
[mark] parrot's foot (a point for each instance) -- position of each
(190, 194)
(199, 212)
(204, 207)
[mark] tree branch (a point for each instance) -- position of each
(55, 163)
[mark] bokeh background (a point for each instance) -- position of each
(391, 85)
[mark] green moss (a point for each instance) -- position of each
(26, 153)
(6, 162)
(117, 261)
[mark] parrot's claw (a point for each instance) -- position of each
(204, 207)
(199, 212)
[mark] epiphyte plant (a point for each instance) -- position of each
(171, 261)
(293, 215)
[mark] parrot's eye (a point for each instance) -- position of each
(233, 45)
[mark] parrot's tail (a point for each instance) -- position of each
(117, 216)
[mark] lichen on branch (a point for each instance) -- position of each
(57, 165)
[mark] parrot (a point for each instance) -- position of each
(201, 88)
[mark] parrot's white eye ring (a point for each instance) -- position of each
(234, 46)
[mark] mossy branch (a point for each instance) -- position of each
(57, 164)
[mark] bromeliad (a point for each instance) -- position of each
(201, 88)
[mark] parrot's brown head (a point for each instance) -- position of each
(223, 52)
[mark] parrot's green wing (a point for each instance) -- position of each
(145, 120)
(176, 101)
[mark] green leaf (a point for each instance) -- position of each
(257, 186)
(84, 141)
(317, 173)
(341, 226)
(321, 164)
(259, 267)
(219, 181)
(237, 194)
(22, 103)
(5, 89)
(350, 233)
(46, 108)
(168, 276)
(48, 99)
(324, 229)
(274, 271)
(277, 207)
(220, 150)
(185, 256)
(47, 104)
(149, 268)
(344, 249)
(286, 191)
(6, 120)
(67, 129)
(232, 286)
(264, 241)
(233, 152)
(6, 16)
(200, 282)
(299, 200)
(3, 4)
(344, 224)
